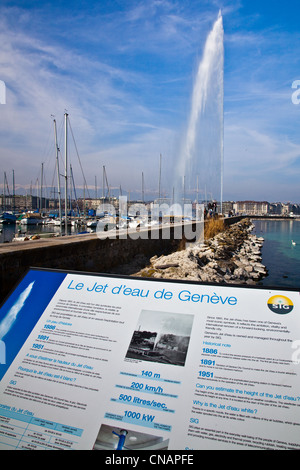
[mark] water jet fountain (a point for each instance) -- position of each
(200, 162)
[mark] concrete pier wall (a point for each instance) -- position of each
(87, 253)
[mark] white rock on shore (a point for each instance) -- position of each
(232, 257)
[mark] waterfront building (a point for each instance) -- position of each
(251, 208)
(20, 203)
(227, 207)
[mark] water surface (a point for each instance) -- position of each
(279, 255)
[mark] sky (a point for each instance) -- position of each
(124, 71)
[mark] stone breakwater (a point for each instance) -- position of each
(232, 257)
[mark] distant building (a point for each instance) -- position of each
(295, 209)
(251, 208)
(20, 203)
(275, 208)
(227, 207)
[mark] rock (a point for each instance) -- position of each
(166, 266)
(256, 276)
(249, 269)
(260, 268)
(240, 273)
(232, 256)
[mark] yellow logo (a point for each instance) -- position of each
(280, 304)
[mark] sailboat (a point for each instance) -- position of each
(7, 218)
(31, 218)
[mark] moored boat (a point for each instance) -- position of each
(7, 218)
(31, 219)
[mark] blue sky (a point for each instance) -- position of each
(124, 70)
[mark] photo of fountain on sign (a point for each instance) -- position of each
(161, 337)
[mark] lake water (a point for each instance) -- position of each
(279, 255)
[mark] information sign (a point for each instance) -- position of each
(92, 361)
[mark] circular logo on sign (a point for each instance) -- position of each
(280, 304)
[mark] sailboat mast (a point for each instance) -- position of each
(14, 193)
(66, 173)
(74, 188)
(159, 180)
(4, 194)
(105, 180)
(42, 175)
(57, 170)
(103, 183)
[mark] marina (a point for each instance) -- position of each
(33, 226)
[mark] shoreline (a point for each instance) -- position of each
(231, 257)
